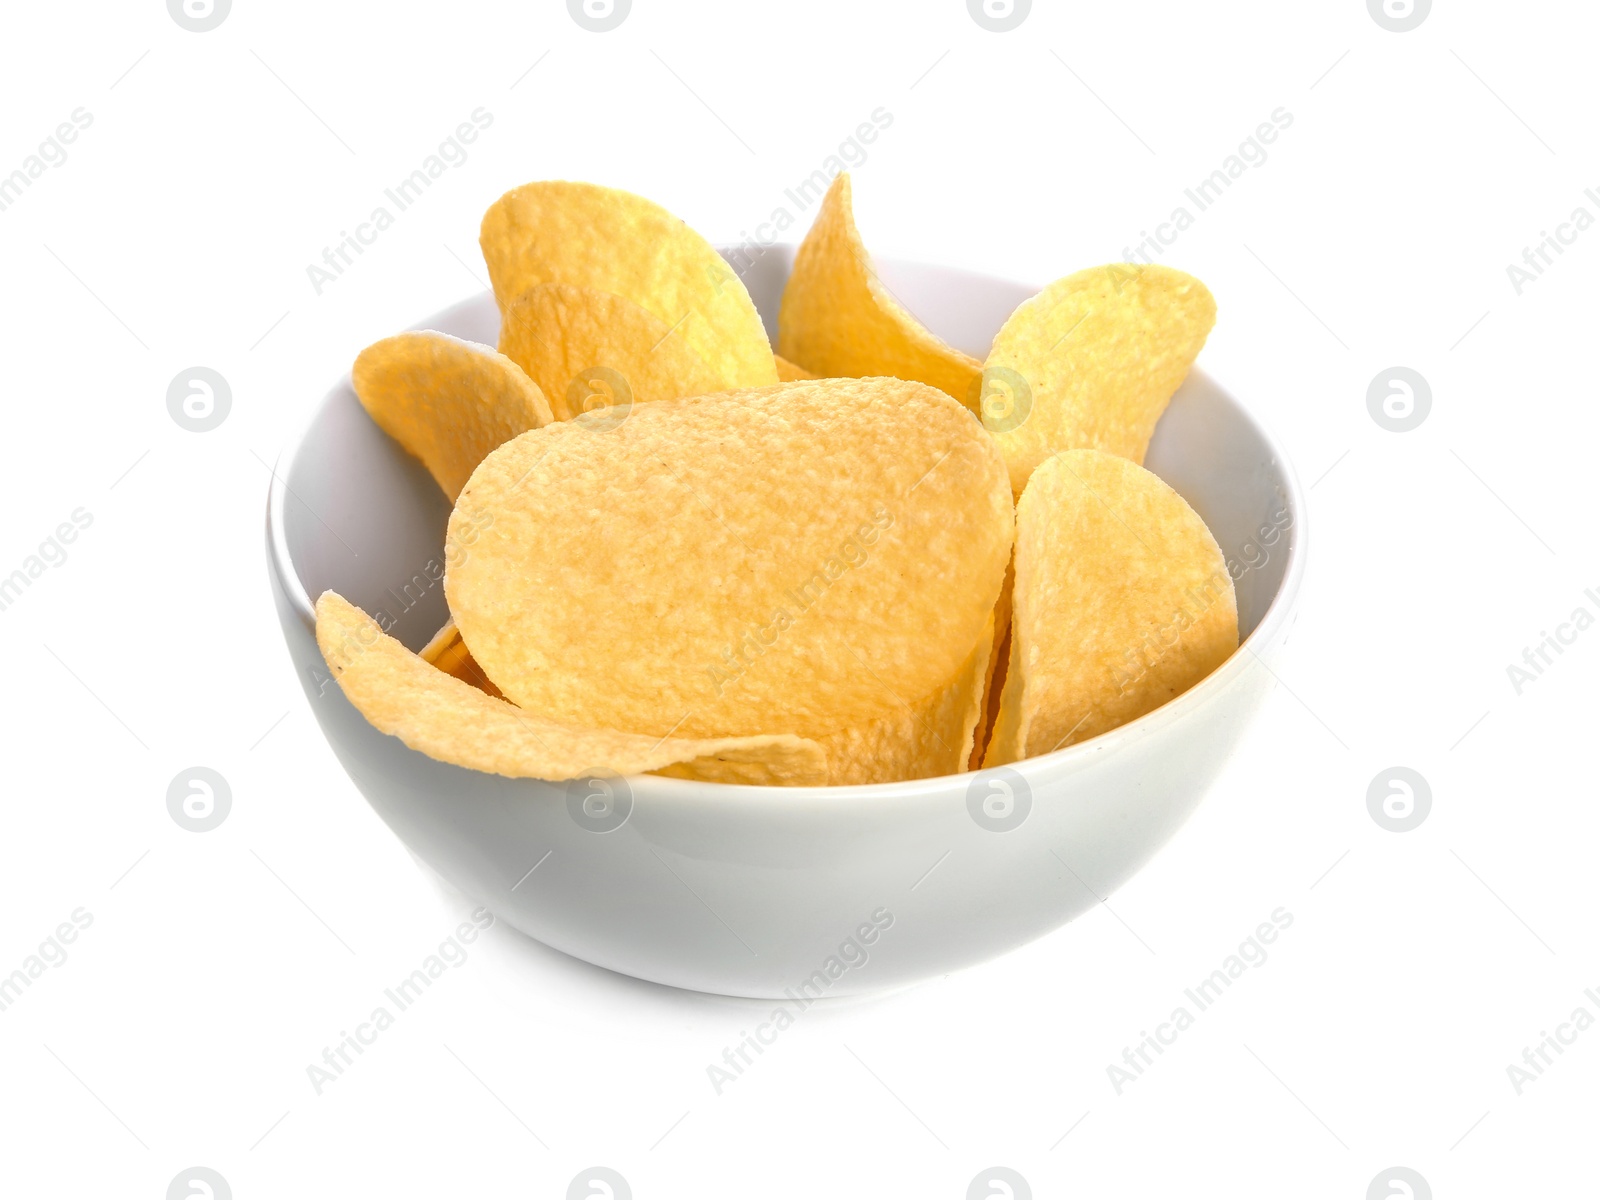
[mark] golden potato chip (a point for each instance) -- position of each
(453, 722)
(448, 402)
(788, 372)
(1122, 601)
(789, 558)
(995, 678)
(448, 652)
(916, 740)
(589, 350)
(838, 319)
(440, 643)
(1090, 363)
(993, 692)
(613, 241)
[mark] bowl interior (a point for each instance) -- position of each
(355, 513)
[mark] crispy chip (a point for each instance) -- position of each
(1006, 744)
(589, 350)
(448, 402)
(453, 722)
(440, 644)
(838, 319)
(788, 372)
(995, 678)
(613, 241)
(448, 652)
(919, 740)
(677, 547)
(1090, 363)
(807, 557)
(1122, 601)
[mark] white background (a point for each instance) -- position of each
(218, 965)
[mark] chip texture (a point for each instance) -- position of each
(918, 740)
(454, 722)
(448, 402)
(806, 557)
(838, 319)
(590, 350)
(613, 241)
(1090, 363)
(789, 372)
(1122, 601)
(995, 676)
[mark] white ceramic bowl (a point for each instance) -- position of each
(770, 892)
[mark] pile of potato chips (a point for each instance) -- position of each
(873, 558)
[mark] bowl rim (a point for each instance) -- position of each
(1055, 762)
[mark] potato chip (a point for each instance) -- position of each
(838, 319)
(453, 722)
(995, 677)
(916, 740)
(448, 652)
(1122, 601)
(589, 350)
(788, 372)
(613, 241)
(1090, 363)
(792, 558)
(446, 401)
(440, 644)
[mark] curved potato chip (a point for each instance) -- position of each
(1007, 741)
(1122, 601)
(789, 372)
(935, 737)
(451, 721)
(448, 652)
(916, 741)
(440, 643)
(589, 349)
(792, 557)
(614, 241)
(838, 319)
(1090, 363)
(448, 402)
(995, 679)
